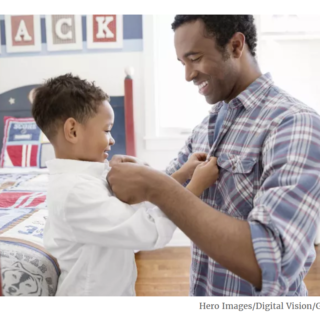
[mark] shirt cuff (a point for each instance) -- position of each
(268, 256)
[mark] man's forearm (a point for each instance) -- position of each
(225, 239)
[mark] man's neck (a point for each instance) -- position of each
(250, 72)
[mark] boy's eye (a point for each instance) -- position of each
(195, 59)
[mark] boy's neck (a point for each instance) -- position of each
(65, 155)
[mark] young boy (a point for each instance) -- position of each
(93, 234)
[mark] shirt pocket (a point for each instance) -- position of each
(237, 182)
(236, 164)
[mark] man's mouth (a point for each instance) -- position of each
(203, 87)
(106, 155)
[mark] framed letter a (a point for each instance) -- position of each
(23, 33)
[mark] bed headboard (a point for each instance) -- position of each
(16, 103)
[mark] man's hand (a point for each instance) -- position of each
(133, 183)
(120, 158)
(205, 174)
(186, 171)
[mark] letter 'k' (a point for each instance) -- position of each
(103, 30)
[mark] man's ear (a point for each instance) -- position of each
(71, 130)
(237, 43)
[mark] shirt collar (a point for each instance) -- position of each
(58, 166)
(251, 96)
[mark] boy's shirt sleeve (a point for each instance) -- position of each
(98, 218)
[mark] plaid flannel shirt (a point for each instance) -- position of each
(268, 154)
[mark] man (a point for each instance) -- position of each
(254, 229)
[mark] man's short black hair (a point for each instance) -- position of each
(223, 27)
(64, 97)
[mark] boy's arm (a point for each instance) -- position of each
(186, 170)
(205, 175)
(180, 176)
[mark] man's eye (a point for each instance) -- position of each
(196, 59)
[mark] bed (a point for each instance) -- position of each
(26, 268)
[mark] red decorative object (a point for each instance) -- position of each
(129, 118)
(22, 139)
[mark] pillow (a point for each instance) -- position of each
(24, 144)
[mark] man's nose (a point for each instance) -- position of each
(190, 74)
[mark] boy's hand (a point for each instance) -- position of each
(194, 160)
(204, 176)
(120, 158)
(186, 171)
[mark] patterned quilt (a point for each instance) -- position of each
(26, 268)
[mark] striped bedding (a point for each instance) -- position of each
(25, 266)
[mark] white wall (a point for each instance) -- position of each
(107, 69)
(295, 67)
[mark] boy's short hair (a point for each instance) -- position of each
(64, 97)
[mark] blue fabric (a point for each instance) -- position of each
(221, 115)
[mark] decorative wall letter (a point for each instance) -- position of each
(64, 32)
(23, 33)
(104, 31)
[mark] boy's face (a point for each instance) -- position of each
(95, 138)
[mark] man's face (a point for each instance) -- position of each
(213, 71)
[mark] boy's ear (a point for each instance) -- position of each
(71, 130)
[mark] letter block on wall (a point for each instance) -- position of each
(23, 33)
(64, 32)
(104, 31)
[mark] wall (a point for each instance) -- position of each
(294, 66)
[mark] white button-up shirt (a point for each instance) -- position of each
(93, 234)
